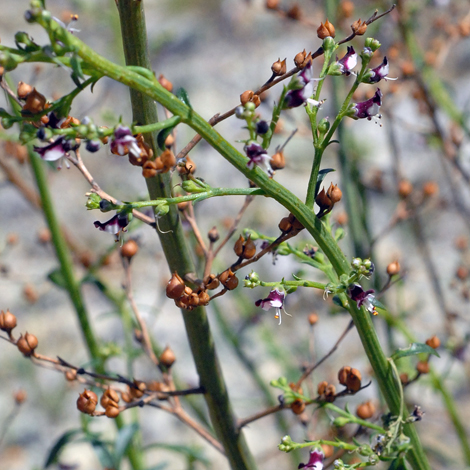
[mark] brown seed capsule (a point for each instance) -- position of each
(7, 321)
(461, 242)
(109, 397)
(272, 4)
(204, 298)
(405, 188)
(322, 31)
(323, 201)
(407, 68)
(404, 379)
(186, 168)
(393, 268)
(211, 282)
(313, 318)
(365, 410)
(256, 100)
(175, 287)
(44, 235)
(298, 407)
(112, 411)
(35, 102)
(138, 390)
(353, 381)
(462, 273)
(343, 374)
(165, 83)
(168, 158)
(279, 67)
(278, 161)
(330, 392)
(167, 357)
(285, 224)
(170, 140)
(23, 90)
(129, 249)
(249, 249)
(213, 234)
(331, 29)
(228, 279)
(238, 247)
(359, 27)
(183, 205)
(433, 342)
(71, 375)
(20, 397)
(430, 188)
(300, 58)
(126, 397)
(334, 193)
(246, 96)
(294, 12)
(149, 169)
(27, 344)
(322, 387)
(87, 401)
(422, 367)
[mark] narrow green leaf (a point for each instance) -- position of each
(103, 454)
(162, 135)
(321, 177)
(56, 276)
(182, 95)
(123, 440)
(414, 349)
(57, 448)
(76, 64)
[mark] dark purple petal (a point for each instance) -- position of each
(379, 72)
(370, 107)
(54, 150)
(349, 61)
(315, 461)
(113, 225)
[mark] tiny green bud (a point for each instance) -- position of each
(250, 106)
(367, 263)
(7, 122)
(341, 421)
(93, 201)
(329, 44)
(356, 263)
(372, 43)
(162, 210)
(195, 186)
(291, 289)
(323, 126)
(335, 69)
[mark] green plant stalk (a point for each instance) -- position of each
(71, 284)
(354, 419)
(178, 256)
(302, 212)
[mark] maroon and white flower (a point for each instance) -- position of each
(348, 62)
(362, 297)
(116, 225)
(302, 89)
(56, 151)
(379, 73)
(257, 155)
(367, 109)
(123, 142)
(315, 461)
(275, 299)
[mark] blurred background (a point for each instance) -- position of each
(408, 201)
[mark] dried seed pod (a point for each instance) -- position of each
(272, 4)
(228, 279)
(404, 379)
(27, 344)
(365, 410)
(330, 393)
(211, 282)
(71, 375)
(327, 450)
(430, 188)
(433, 342)
(165, 83)
(149, 169)
(359, 27)
(126, 397)
(213, 234)
(313, 318)
(299, 58)
(35, 102)
(331, 29)
(298, 407)
(109, 396)
(249, 249)
(279, 67)
(256, 100)
(168, 158)
(294, 12)
(239, 245)
(393, 268)
(7, 321)
(285, 224)
(175, 287)
(353, 382)
(246, 96)
(322, 387)
(322, 31)
(129, 249)
(87, 401)
(278, 161)
(167, 357)
(23, 90)
(170, 140)
(138, 390)
(405, 188)
(422, 367)
(204, 298)
(343, 374)
(334, 193)
(112, 411)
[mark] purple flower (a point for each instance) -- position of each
(115, 225)
(275, 299)
(362, 297)
(56, 150)
(258, 156)
(315, 461)
(369, 108)
(348, 62)
(375, 75)
(123, 142)
(303, 84)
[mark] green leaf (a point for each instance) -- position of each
(162, 135)
(398, 464)
(321, 177)
(57, 278)
(57, 448)
(182, 95)
(103, 454)
(414, 349)
(76, 64)
(123, 440)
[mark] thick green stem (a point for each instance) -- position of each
(178, 256)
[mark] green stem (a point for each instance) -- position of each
(177, 252)
(354, 419)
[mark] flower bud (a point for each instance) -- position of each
(23, 90)
(365, 410)
(213, 234)
(322, 387)
(433, 342)
(393, 268)
(262, 127)
(278, 161)
(359, 27)
(27, 344)
(298, 407)
(323, 201)
(7, 321)
(167, 357)
(422, 367)
(165, 83)
(246, 96)
(109, 397)
(175, 287)
(87, 401)
(299, 58)
(20, 397)
(279, 67)
(129, 249)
